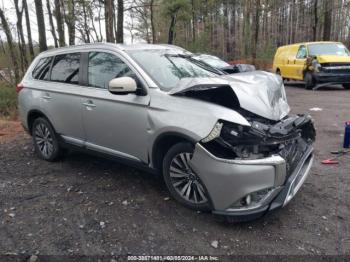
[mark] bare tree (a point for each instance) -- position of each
(52, 25)
(41, 25)
(69, 17)
(60, 25)
(21, 41)
(120, 22)
(29, 32)
(109, 20)
(327, 20)
(10, 43)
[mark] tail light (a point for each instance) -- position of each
(19, 87)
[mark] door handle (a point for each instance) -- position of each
(89, 103)
(46, 96)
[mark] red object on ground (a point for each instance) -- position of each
(329, 162)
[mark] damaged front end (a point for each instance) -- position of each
(252, 169)
(288, 138)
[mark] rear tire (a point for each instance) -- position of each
(182, 182)
(45, 140)
(346, 86)
(309, 81)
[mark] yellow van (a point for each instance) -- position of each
(316, 63)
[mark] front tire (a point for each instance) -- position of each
(309, 81)
(45, 140)
(346, 86)
(182, 182)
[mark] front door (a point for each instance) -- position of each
(300, 63)
(114, 124)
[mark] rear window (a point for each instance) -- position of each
(65, 68)
(42, 69)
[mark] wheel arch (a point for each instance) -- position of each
(163, 143)
(32, 115)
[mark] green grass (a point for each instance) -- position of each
(8, 101)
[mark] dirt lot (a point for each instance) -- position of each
(87, 205)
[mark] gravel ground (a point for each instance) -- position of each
(90, 206)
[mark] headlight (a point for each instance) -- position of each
(215, 133)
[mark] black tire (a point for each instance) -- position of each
(309, 81)
(346, 86)
(173, 159)
(44, 136)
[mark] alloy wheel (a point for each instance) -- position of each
(185, 181)
(43, 139)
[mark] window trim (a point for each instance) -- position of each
(85, 81)
(80, 68)
(36, 65)
(296, 56)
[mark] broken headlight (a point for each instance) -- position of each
(215, 133)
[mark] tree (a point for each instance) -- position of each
(13, 56)
(60, 25)
(327, 20)
(53, 31)
(109, 7)
(172, 9)
(120, 22)
(69, 17)
(21, 41)
(41, 25)
(29, 32)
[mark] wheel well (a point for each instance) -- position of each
(162, 146)
(31, 118)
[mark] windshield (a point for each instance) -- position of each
(166, 69)
(328, 49)
(212, 61)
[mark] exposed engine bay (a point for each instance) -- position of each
(288, 138)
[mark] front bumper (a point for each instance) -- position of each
(227, 181)
(323, 78)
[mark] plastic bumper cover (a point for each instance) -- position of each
(227, 181)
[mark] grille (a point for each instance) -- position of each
(336, 67)
(292, 153)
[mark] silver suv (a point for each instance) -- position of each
(223, 143)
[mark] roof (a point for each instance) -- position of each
(112, 45)
(310, 43)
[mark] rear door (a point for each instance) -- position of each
(114, 123)
(289, 62)
(61, 100)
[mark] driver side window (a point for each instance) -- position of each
(103, 67)
(301, 52)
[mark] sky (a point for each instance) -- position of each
(10, 13)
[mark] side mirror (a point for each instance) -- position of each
(122, 85)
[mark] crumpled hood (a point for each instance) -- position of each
(259, 92)
(333, 59)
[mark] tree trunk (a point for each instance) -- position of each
(327, 20)
(70, 21)
(29, 31)
(41, 25)
(7, 31)
(109, 20)
(86, 25)
(21, 42)
(120, 22)
(193, 21)
(60, 25)
(314, 28)
(171, 34)
(154, 33)
(52, 26)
